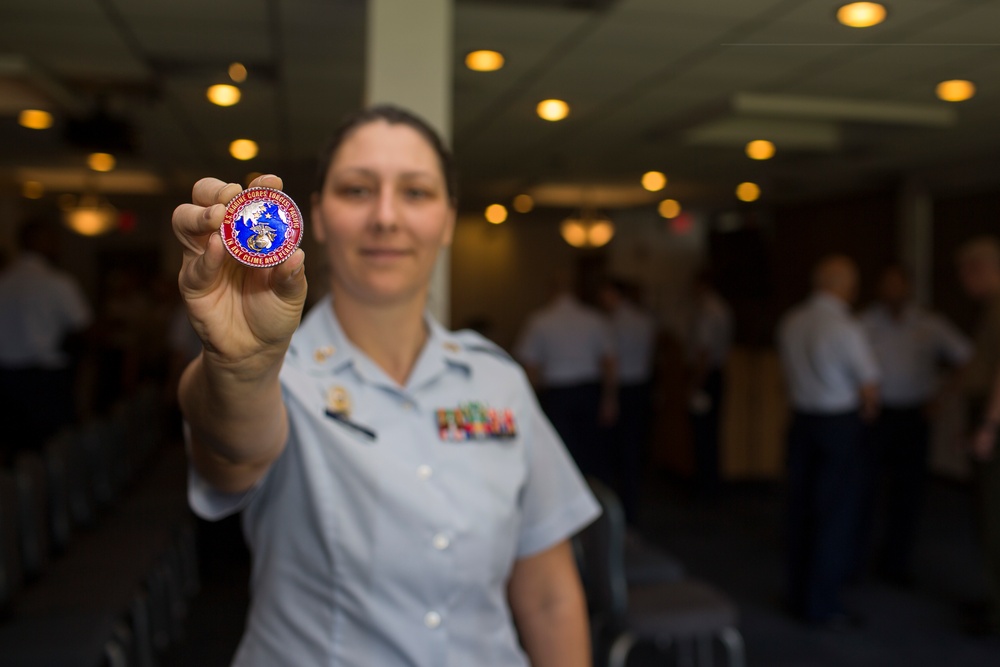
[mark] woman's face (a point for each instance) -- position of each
(383, 214)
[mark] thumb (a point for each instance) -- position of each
(288, 279)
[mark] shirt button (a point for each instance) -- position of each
(441, 542)
(424, 472)
(432, 619)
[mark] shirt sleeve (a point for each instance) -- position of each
(860, 355)
(209, 503)
(75, 311)
(555, 502)
(528, 349)
(950, 343)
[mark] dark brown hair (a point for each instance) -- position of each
(394, 116)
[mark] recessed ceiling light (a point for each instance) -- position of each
(243, 149)
(760, 149)
(523, 203)
(861, 14)
(223, 94)
(238, 72)
(669, 208)
(484, 61)
(654, 181)
(101, 161)
(748, 192)
(35, 119)
(552, 109)
(496, 213)
(956, 90)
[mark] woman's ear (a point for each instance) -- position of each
(449, 230)
(316, 218)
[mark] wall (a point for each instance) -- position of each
(504, 272)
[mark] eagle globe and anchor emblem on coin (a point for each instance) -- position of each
(262, 227)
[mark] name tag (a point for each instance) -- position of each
(475, 422)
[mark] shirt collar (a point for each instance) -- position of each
(565, 300)
(326, 349)
(908, 313)
(33, 259)
(829, 301)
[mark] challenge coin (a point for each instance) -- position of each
(262, 227)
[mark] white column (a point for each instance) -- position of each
(409, 61)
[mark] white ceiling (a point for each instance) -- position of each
(647, 80)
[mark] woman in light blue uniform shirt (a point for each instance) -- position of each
(404, 498)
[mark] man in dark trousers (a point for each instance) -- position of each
(43, 315)
(568, 352)
(912, 345)
(710, 337)
(634, 334)
(832, 380)
(979, 270)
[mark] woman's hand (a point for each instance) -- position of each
(244, 316)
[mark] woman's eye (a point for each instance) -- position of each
(417, 193)
(355, 191)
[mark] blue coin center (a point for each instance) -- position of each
(260, 228)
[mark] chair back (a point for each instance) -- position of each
(601, 555)
(32, 513)
(57, 477)
(11, 573)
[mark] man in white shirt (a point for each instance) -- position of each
(634, 335)
(911, 346)
(709, 340)
(832, 380)
(42, 314)
(568, 352)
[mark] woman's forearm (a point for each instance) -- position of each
(557, 636)
(237, 421)
(550, 609)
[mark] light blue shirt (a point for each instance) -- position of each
(39, 307)
(909, 350)
(712, 330)
(567, 342)
(825, 356)
(635, 342)
(375, 540)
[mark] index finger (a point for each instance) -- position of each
(267, 181)
(209, 191)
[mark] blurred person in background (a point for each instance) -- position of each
(634, 335)
(710, 335)
(911, 347)
(43, 320)
(979, 272)
(832, 378)
(568, 352)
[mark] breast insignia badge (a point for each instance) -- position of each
(262, 227)
(475, 421)
(338, 401)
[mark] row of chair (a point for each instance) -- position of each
(638, 593)
(97, 555)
